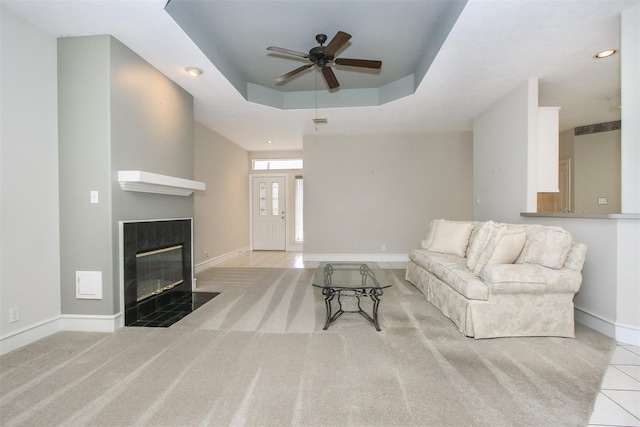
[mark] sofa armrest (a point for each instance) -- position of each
(530, 279)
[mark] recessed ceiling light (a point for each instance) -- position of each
(194, 71)
(605, 53)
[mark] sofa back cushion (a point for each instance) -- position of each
(478, 240)
(504, 248)
(448, 237)
(546, 245)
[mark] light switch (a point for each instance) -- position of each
(94, 196)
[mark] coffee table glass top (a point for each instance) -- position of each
(350, 275)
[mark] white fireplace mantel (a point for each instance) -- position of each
(147, 182)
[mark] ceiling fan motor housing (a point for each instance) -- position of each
(318, 56)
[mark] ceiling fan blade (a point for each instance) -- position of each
(293, 73)
(287, 51)
(364, 63)
(336, 43)
(330, 78)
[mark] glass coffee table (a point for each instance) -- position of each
(351, 279)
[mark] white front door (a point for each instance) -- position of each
(268, 213)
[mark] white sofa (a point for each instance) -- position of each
(500, 280)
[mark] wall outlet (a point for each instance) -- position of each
(383, 248)
(14, 314)
(206, 254)
(602, 200)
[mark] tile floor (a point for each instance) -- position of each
(282, 259)
(618, 403)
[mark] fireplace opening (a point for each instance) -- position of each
(158, 270)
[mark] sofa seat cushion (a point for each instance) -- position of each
(530, 279)
(453, 271)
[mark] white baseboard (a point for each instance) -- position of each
(30, 334)
(91, 323)
(625, 334)
(356, 257)
(221, 259)
(596, 322)
(64, 322)
(628, 334)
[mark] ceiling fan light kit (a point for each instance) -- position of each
(323, 57)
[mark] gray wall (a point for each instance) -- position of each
(116, 112)
(597, 172)
(221, 222)
(368, 190)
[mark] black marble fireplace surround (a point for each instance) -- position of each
(168, 307)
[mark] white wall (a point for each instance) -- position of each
(368, 190)
(628, 309)
(630, 70)
(30, 256)
(502, 183)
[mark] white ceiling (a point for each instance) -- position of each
(494, 46)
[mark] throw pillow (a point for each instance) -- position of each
(479, 238)
(547, 246)
(448, 237)
(503, 248)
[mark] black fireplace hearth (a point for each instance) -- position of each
(169, 307)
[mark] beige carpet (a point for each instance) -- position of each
(256, 355)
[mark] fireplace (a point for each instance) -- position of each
(157, 272)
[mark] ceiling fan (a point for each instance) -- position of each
(323, 57)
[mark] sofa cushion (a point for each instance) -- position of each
(530, 279)
(503, 248)
(478, 239)
(448, 237)
(546, 245)
(452, 270)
